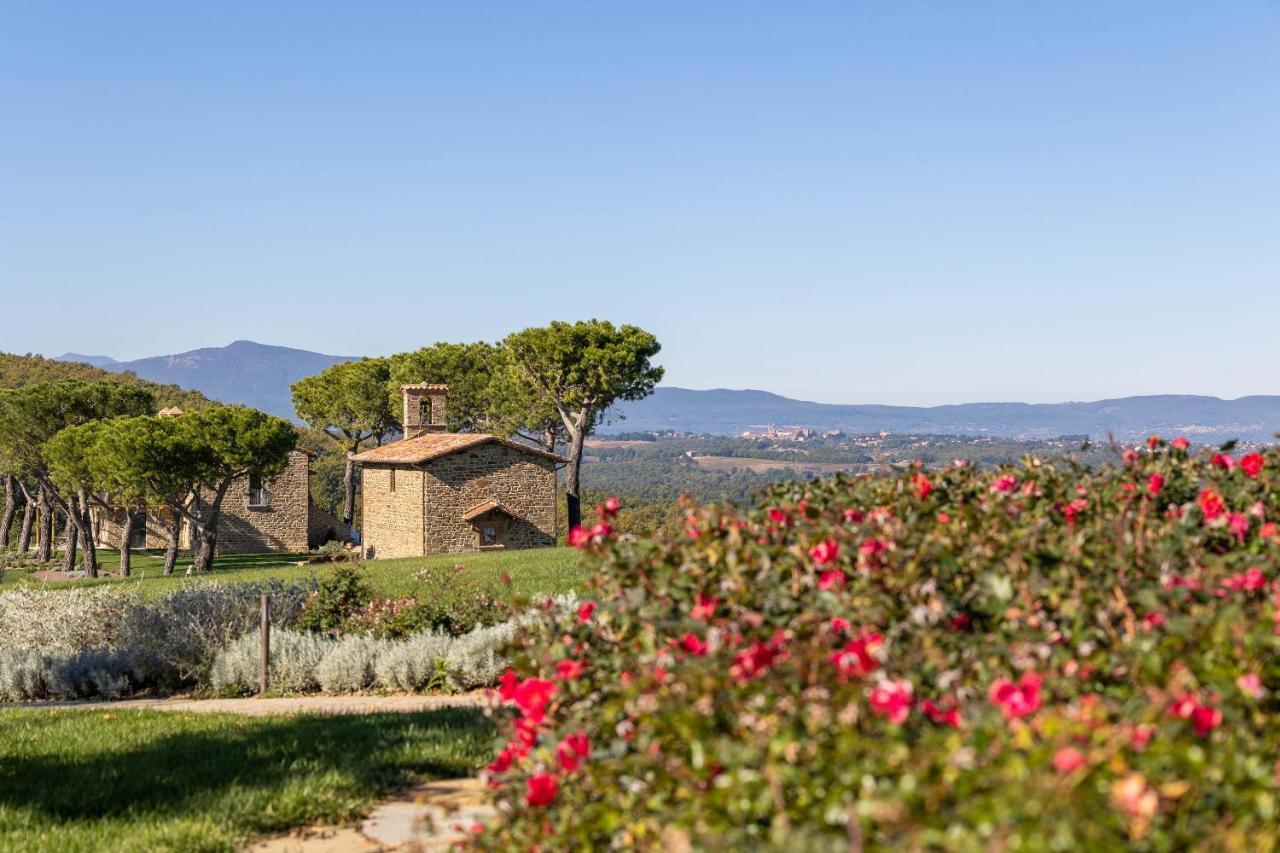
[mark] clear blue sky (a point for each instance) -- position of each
(858, 201)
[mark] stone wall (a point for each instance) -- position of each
(107, 524)
(325, 527)
(522, 482)
(288, 522)
(391, 523)
(283, 524)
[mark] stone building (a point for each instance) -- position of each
(275, 515)
(440, 492)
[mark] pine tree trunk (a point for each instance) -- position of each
(10, 509)
(88, 548)
(197, 538)
(70, 543)
(209, 531)
(44, 552)
(171, 552)
(28, 520)
(349, 481)
(572, 493)
(126, 533)
(203, 560)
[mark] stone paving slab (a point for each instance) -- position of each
(433, 816)
(280, 705)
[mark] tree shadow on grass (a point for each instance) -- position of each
(303, 767)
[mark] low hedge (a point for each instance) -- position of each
(1037, 657)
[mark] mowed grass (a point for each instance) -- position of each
(532, 572)
(152, 780)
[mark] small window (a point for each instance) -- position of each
(424, 410)
(258, 494)
(488, 535)
(393, 480)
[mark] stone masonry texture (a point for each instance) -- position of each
(288, 521)
(425, 514)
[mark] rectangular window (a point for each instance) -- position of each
(258, 495)
(488, 535)
(393, 480)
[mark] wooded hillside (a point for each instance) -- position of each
(17, 371)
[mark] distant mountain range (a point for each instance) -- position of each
(723, 411)
(260, 375)
(245, 372)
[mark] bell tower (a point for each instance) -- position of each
(424, 408)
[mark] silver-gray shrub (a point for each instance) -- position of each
(351, 665)
(294, 661)
(188, 626)
(28, 674)
(169, 641)
(415, 663)
(474, 660)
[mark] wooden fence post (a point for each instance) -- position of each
(264, 661)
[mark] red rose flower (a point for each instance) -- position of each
(758, 657)
(568, 670)
(693, 644)
(503, 760)
(946, 714)
(892, 699)
(585, 611)
(1251, 464)
(1005, 483)
(922, 485)
(579, 537)
(1016, 699)
(1155, 484)
(1180, 443)
(1204, 719)
(541, 790)
(573, 751)
(1068, 759)
(832, 579)
(1211, 505)
(859, 657)
(825, 553)
(705, 608)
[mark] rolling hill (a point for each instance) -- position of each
(17, 371)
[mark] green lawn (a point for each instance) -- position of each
(150, 780)
(532, 572)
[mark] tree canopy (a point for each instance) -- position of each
(581, 369)
(472, 371)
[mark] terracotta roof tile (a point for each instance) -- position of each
(487, 506)
(433, 445)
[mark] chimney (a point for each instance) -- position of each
(423, 408)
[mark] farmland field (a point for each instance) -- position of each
(148, 780)
(729, 464)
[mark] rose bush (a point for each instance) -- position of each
(1040, 656)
